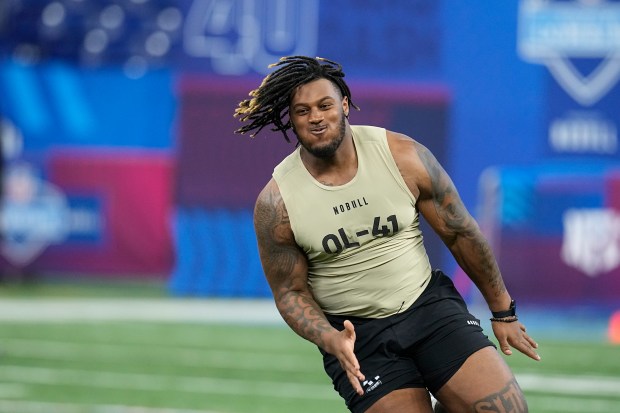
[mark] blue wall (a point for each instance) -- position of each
(498, 102)
(498, 98)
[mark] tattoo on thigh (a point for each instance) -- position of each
(509, 400)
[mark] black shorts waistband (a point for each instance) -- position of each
(424, 298)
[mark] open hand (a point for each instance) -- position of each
(514, 334)
(342, 345)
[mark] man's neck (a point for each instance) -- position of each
(336, 170)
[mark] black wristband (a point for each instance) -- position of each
(511, 312)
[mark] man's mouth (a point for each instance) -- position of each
(318, 130)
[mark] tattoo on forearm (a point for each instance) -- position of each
(280, 257)
(304, 316)
(509, 400)
(459, 222)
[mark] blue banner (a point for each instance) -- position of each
(579, 43)
(59, 104)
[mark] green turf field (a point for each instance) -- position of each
(122, 366)
(114, 367)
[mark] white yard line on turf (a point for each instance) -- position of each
(253, 386)
(139, 309)
(560, 385)
(575, 385)
(248, 359)
(566, 404)
(20, 406)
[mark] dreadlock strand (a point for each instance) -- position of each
(269, 103)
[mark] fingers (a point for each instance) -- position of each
(350, 364)
(505, 347)
(526, 348)
(352, 368)
(527, 345)
(531, 353)
(524, 343)
(349, 329)
(355, 382)
(530, 340)
(508, 336)
(349, 355)
(502, 338)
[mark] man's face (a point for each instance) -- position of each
(317, 112)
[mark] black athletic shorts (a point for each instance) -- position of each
(422, 346)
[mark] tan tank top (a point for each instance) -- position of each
(365, 252)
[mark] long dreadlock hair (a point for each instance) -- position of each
(269, 104)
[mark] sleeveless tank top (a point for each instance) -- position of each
(366, 257)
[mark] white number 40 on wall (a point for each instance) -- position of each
(239, 36)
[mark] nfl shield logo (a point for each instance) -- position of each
(557, 33)
(591, 240)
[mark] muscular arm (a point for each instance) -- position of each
(286, 269)
(441, 205)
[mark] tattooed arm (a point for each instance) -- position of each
(440, 204)
(286, 269)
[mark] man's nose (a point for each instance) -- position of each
(315, 116)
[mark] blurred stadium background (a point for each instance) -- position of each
(129, 277)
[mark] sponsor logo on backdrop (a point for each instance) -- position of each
(34, 215)
(591, 240)
(564, 36)
(551, 33)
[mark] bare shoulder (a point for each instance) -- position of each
(405, 148)
(412, 159)
(283, 262)
(269, 197)
(271, 220)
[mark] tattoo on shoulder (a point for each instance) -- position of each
(272, 224)
(457, 219)
(280, 214)
(446, 198)
(271, 210)
(509, 400)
